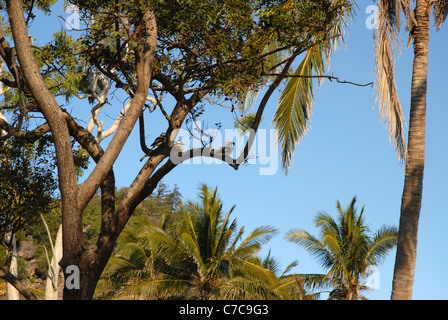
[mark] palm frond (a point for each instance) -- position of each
(386, 40)
(311, 244)
(271, 263)
(292, 117)
(193, 249)
(440, 12)
(329, 231)
(117, 264)
(253, 242)
(243, 288)
(225, 233)
(304, 286)
(384, 240)
(153, 289)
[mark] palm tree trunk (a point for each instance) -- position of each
(413, 183)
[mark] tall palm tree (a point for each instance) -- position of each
(293, 113)
(418, 24)
(346, 249)
(203, 255)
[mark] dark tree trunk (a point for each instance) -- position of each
(413, 183)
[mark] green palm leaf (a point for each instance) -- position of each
(153, 289)
(311, 244)
(293, 112)
(384, 240)
(253, 242)
(345, 249)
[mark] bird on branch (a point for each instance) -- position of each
(227, 149)
(178, 146)
(160, 140)
(176, 151)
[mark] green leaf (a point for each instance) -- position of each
(292, 117)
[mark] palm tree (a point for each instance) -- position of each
(345, 249)
(293, 113)
(203, 255)
(414, 154)
(132, 260)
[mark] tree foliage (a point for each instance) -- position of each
(27, 182)
(143, 51)
(345, 249)
(197, 253)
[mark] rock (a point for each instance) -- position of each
(27, 250)
(31, 266)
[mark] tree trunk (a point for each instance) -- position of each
(413, 183)
(83, 262)
(13, 293)
(51, 290)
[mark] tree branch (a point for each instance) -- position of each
(144, 63)
(23, 289)
(25, 135)
(279, 78)
(71, 217)
(323, 76)
(136, 192)
(141, 123)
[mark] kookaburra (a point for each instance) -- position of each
(157, 143)
(227, 149)
(178, 146)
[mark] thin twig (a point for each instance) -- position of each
(331, 78)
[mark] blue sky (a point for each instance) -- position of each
(346, 153)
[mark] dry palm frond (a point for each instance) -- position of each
(386, 40)
(440, 12)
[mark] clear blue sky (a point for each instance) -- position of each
(346, 153)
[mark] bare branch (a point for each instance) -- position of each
(25, 135)
(144, 62)
(145, 149)
(323, 76)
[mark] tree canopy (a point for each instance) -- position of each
(145, 52)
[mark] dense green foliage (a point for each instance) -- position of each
(161, 203)
(27, 182)
(196, 252)
(220, 49)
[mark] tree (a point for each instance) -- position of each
(346, 249)
(201, 255)
(418, 25)
(27, 189)
(205, 50)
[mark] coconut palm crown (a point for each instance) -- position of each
(345, 249)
